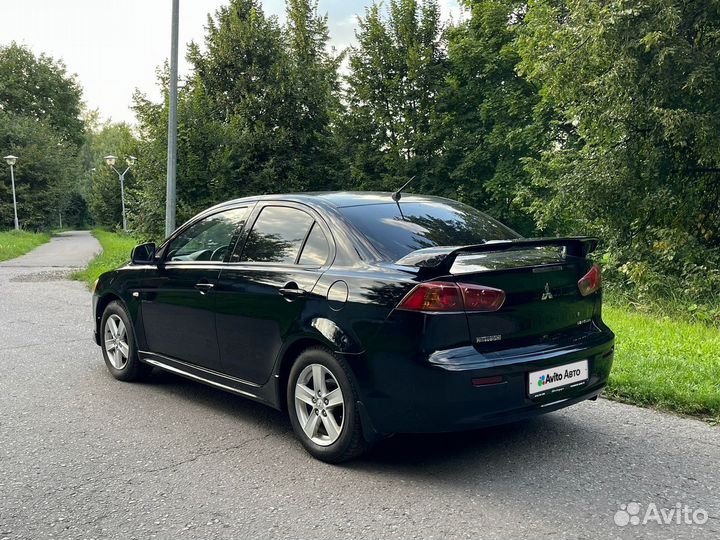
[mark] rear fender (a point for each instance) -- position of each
(337, 339)
(321, 332)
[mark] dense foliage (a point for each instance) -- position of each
(40, 123)
(38, 87)
(256, 117)
(396, 74)
(632, 143)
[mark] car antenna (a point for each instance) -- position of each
(396, 195)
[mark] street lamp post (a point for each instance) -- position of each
(170, 188)
(11, 160)
(110, 160)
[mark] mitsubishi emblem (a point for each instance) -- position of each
(547, 295)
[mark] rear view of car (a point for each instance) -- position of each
(362, 315)
(494, 328)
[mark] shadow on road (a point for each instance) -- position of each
(237, 407)
(455, 454)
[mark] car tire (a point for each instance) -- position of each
(329, 430)
(117, 341)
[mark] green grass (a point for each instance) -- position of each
(665, 363)
(674, 306)
(16, 243)
(116, 252)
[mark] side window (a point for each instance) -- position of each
(316, 248)
(209, 239)
(277, 235)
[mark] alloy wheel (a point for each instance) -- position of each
(116, 342)
(319, 404)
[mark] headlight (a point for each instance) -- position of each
(94, 286)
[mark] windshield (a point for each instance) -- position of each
(396, 230)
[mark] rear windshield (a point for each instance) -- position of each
(396, 230)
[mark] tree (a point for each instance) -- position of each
(397, 73)
(486, 111)
(39, 87)
(256, 115)
(632, 154)
(273, 91)
(200, 141)
(39, 122)
(313, 78)
(45, 170)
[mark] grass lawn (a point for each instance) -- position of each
(665, 363)
(116, 252)
(16, 243)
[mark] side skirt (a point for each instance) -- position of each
(264, 394)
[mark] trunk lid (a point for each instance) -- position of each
(539, 277)
(542, 295)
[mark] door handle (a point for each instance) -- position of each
(291, 290)
(204, 287)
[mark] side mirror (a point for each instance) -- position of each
(143, 254)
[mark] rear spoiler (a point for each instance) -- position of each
(439, 260)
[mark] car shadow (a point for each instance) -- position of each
(426, 448)
(550, 437)
(469, 456)
(219, 401)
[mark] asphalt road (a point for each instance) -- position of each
(85, 456)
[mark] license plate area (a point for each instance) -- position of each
(556, 378)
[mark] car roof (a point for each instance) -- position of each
(337, 199)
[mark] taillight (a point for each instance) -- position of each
(440, 296)
(433, 296)
(591, 281)
(478, 298)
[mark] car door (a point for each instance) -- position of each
(178, 299)
(267, 285)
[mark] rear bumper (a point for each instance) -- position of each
(436, 393)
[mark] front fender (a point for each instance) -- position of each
(110, 287)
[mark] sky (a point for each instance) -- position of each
(116, 46)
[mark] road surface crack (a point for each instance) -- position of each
(206, 454)
(29, 345)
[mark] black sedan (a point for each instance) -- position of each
(362, 315)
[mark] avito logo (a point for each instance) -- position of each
(631, 514)
(550, 378)
(558, 376)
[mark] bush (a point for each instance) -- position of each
(671, 271)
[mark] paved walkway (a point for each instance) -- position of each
(66, 250)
